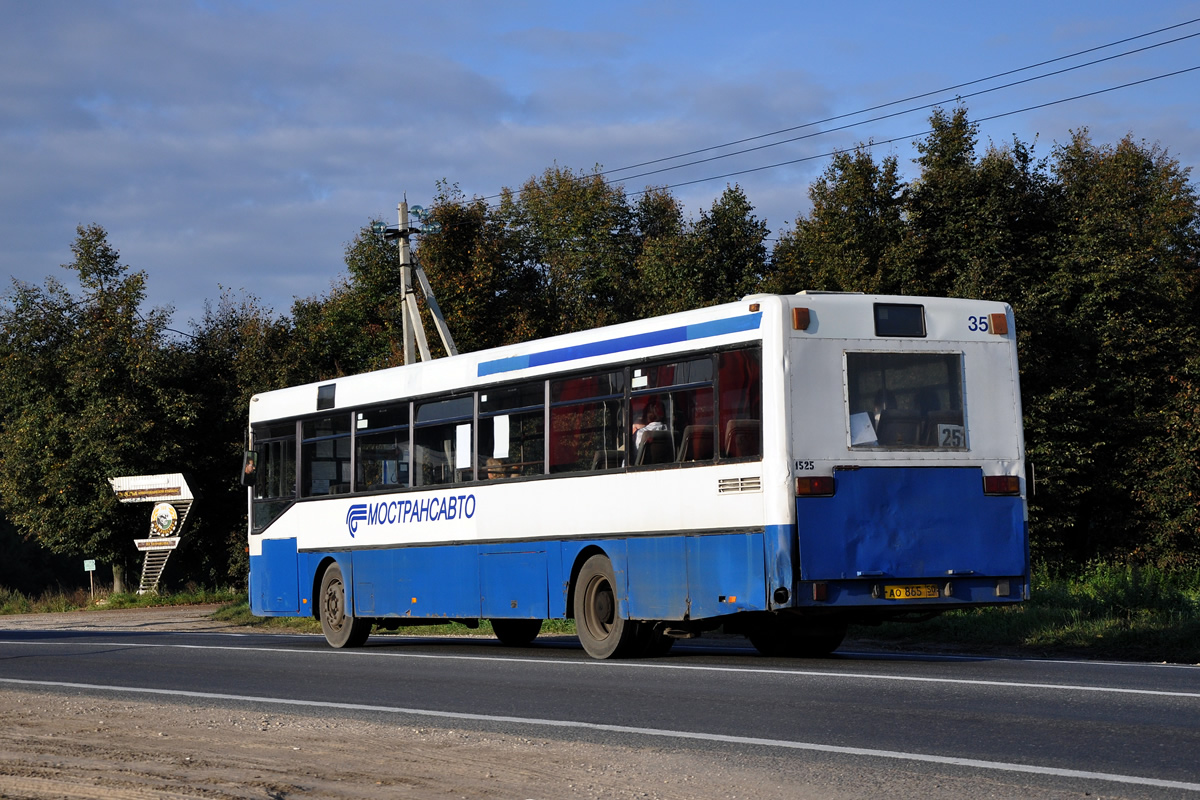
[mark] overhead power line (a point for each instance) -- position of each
(875, 142)
(925, 132)
(976, 81)
(897, 113)
(917, 96)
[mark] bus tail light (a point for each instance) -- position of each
(1001, 484)
(815, 486)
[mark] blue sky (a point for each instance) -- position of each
(241, 145)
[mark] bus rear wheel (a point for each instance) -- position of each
(516, 632)
(601, 629)
(652, 643)
(340, 626)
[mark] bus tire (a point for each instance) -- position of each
(652, 643)
(817, 641)
(340, 626)
(601, 629)
(516, 632)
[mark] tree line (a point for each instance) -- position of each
(1094, 245)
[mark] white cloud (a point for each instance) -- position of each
(242, 144)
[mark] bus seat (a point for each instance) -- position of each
(656, 448)
(607, 459)
(929, 434)
(743, 437)
(696, 443)
(898, 427)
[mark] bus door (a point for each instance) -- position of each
(925, 455)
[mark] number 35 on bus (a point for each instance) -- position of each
(783, 466)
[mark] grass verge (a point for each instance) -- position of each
(51, 601)
(239, 614)
(1106, 612)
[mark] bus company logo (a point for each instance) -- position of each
(399, 512)
(356, 514)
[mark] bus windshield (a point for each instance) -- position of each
(905, 401)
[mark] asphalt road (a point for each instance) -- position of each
(1101, 728)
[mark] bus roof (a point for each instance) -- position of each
(705, 328)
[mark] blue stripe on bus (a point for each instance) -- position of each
(660, 577)
(684, 333)
(910, 523)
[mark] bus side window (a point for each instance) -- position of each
(442, 442)
(739, 383)
(586, 427)
(325, 456)
(512, 435)
(671, 412)
(381, 448)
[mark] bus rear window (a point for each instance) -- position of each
(905, 401)
(899, 319)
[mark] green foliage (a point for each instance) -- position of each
(357, 327)
(1168, 493)
(189, 596)
(236, 350)
(26, 566)
(1104, 611)
(569, 252)
(87, 391)
(237, 612)
(576, 233)
(1096, 249)
(1112, 332)
(490, 296)
(14, 602)
(51, 601)
(719, 258)
(852, 239)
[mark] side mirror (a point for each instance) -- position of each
(249, 467)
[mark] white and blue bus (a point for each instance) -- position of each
(780, 467)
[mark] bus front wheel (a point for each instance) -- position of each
(340, 626)
(601, 629)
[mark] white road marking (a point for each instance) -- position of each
(592, 664)
(627, 729)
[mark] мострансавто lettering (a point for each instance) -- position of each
(425, 509)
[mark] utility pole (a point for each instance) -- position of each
(411, 325)
(406, 282)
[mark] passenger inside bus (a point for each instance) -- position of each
(496, 469)
(651, 420)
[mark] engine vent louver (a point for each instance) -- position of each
(731, 485)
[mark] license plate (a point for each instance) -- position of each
(912, 591)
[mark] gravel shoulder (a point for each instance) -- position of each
(165, 618)
(80, 746)
(75, 745)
